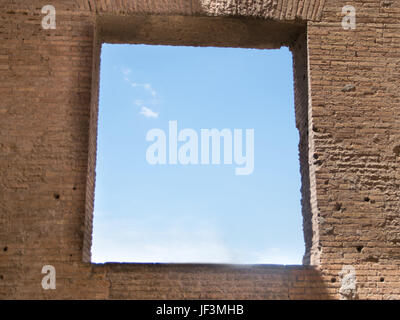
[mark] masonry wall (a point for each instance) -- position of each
(354, 79)
(347, 112)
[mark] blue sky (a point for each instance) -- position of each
(196, 213)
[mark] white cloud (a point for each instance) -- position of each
(274, 256)
(158, 241)
(145, 86)
(148, 113)
(139, 102)
(148, 87)
(182, 240)
(126, 71)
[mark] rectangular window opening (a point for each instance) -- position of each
(163, 194)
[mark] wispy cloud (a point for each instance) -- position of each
(186, 240)
(148, 113)
(275, 256)
(145, 111)
(146, 86)
(138, 102)
(142, 241)
(126, 72)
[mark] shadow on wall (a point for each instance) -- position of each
(207, 281)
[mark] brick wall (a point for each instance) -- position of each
(347, 113)
(356, 138)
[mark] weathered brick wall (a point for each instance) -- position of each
(347, 112)
(301, 102)
(356, 140)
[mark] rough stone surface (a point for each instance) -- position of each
(349, 145)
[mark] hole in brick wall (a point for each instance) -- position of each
(5, 249)
(387, 4)
(1, 277)
(194, 213)
(372, 258)
(359, 248)
(56, 196)
(366, 199)
(74, 188)
(338, 206)
(381, 279)
(333, 280)
(396, 150)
